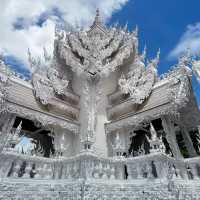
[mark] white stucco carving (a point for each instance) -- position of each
(45, 78)
(111, 120)
(140, 79)
(97, 52)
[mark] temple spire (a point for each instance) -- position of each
(97, 26)
(97, 20)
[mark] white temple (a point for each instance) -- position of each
(97, 122)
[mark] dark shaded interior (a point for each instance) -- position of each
(44, 143)
(137, 141)
(141, 138)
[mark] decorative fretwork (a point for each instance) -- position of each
(140, 80)
(46, 79)
(96, 52)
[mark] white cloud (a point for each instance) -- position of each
(16, 41)
(190, 39)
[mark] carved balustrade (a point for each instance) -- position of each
(158, 165)
(89, 166)
(15, 165)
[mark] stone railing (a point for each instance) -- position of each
(15, 165)
(155, 165)
(163, 167)
(89, 166)
(86, 166)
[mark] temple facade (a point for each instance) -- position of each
(97, 122)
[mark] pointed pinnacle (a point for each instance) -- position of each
(144, 53)
(136, 31)
(97, 17)
(126, 27)
(158, 54)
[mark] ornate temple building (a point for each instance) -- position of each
(97, 122)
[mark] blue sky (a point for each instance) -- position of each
(171, 25)
(161, 25)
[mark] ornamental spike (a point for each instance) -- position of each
(125, 27)
(158, 54)
(154, 62)
(116, 24)
(135, 32)
(144, 53)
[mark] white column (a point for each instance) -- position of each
(188, 142)
(171, 136)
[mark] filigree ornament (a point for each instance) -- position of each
(45, 78)
(180, 96)
(140, 80)
(96, 52)
(59, 85)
